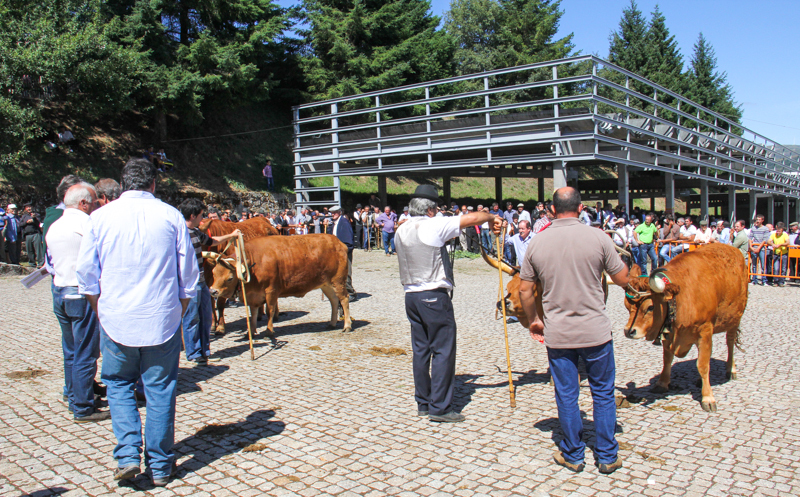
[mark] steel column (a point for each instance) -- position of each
(752, 208)
(732, 216)
(498, 188)
(704, 195)
(382, 190)
(669, 195)
(623, 185)
(785, 217)
(446, 189)
(540, 193)
(770, 210)
(559, 175)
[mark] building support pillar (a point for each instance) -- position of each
(559, 175)
(623, 186)
(732, 204)
(703, 199)
(752, 207)
(498, 188)
(446, 189)
(770, 210)
(382, 190)
(540, 197)
(785, 216)
(797, 210)
(669, 189)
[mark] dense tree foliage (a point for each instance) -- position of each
(709, 87)
(356, 46)
(628, 45)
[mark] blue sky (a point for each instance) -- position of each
(757, 44)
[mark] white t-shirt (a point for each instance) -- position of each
(435, 232)
(688, 232)
(404, 217)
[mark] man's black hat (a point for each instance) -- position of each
(427, 192)
(358, 206)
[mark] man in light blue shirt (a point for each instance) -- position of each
(520, 240)
(141, 251)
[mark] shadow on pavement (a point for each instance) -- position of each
(215, 441)
(189, 377)
(466, 385)
(684, 379)
(47, 492)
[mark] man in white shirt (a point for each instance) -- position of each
(405, 216)
(141, 249)
(704, 234)
(688, 232)
(523, 214)
(427, 278)
(80, 336)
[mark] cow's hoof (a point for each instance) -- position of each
(219, 332)
(731, 376)
(709, 406)
(659, 389)
(347, 330)
(552, 383)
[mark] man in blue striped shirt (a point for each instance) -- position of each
(759, 234)
(140, 248)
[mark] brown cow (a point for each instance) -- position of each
(512, 300)
(288, 267)
(707, 290)
(252, 228)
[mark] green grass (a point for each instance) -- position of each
(460, 254)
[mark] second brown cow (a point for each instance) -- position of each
(287, 266)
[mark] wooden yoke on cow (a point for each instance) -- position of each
(241, 268)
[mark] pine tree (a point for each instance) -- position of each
(356, 46)
(707, 86)
(664, 62)
(628, 45)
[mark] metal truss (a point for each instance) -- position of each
(568, 112)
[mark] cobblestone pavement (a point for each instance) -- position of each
(321, 413)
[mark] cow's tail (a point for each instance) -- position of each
(738, 340)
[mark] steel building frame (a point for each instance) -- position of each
(527, 121)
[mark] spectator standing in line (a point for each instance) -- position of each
(721, 234)
(523, 214)
(672, 232)
(585, 216)
(541, 223)
(13, 234)
(740, 239)
(107, 190)
(795, 232)
(427, 278)
(32, 234)
(759, 235)
(779, 242)
(51, 214)
(519, 241)
(486, 233)
(509, 212)
(463, 236)
(344, 232)
(568, 260)
(366, 223)
(197, 318)
(645, 234)
(633, 243)
(387, 221)
(2, 235)
(405, 216)
(704, 234)
(142, 251)
(376, 212)
(80, 335)
(358, 226)
(267, 172)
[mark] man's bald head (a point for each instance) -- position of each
(567, 201)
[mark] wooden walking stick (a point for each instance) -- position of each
(500, 240)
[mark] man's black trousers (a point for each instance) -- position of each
(433, 341)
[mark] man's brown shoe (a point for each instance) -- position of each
(558, 457)
(607, 469)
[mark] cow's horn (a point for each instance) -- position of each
(494, 263)
(659, 281)
(210, 255)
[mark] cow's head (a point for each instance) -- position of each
(646, 300)
(225, 279)
(512, 301)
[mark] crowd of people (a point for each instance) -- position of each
(104, 232)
